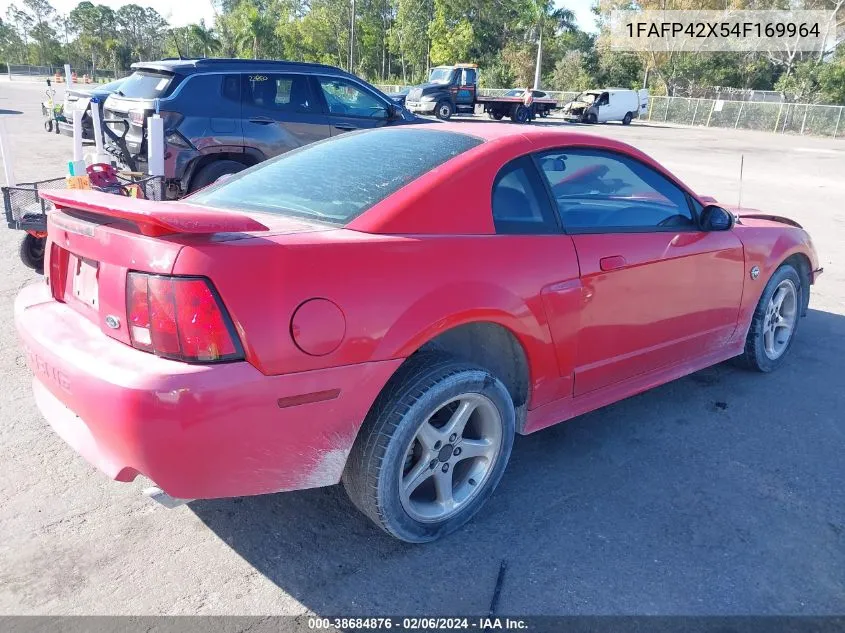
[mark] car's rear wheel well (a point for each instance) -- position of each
(245, 159)
(801, 263)
(495, 348)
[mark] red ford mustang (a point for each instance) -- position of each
(387, 309)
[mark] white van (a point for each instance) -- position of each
(610, 104)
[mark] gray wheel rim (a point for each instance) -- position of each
(450, 458)
(779, 320)
(444, 111)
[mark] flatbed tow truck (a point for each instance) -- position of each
(454, 89)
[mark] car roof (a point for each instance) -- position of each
(219, 64)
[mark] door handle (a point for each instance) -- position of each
(345, 127)
(612, 263)
(261, 120)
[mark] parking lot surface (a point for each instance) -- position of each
(721, 493)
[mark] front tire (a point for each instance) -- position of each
(775, 321)
(432, 449)
(444, 110)
(592, 119)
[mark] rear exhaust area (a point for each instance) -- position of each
(157, 494)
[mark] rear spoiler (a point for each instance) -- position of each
(152, 217)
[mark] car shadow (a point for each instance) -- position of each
(717, 493)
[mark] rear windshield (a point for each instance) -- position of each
(336, 180)
(145, 84)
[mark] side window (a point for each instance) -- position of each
(468, 77)
(344, 97)
(519, 201)
(277, 92)
(604, 192)
(232, 87)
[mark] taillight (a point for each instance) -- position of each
(179, 318)
(136, 117)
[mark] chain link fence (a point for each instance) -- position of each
(779, 118)
(19, 72)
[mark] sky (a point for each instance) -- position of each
(182, 12)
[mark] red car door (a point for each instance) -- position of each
(657, 290)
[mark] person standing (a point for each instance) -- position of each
(528, 102)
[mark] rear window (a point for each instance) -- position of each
(336, 180)
(144, 84)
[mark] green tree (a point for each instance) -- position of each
(42, 12)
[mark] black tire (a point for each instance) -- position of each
(521, 114)
(498, 116)
(754, 356)
(421, 387)
(444, 110)
(211, 172)
(627, 119)
(544, 113)
(592, 119)
(32, 252)
(48, 125)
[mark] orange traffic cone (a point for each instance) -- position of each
(57, 77)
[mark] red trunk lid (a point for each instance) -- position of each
(95, 239)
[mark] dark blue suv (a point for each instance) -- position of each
(223, 115)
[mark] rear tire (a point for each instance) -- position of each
(444, 110)
(774, 322)
(32, 252)
(211, 172)
(521, 114)
(498, 116)
(627, 119)
(414, 477)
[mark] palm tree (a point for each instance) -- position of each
(541, 15)
(251, 27)
(205, 37)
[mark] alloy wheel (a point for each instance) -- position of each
(779, 320)
(450, 458)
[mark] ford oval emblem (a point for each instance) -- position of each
(112, 321)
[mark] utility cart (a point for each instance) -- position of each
(27, 211)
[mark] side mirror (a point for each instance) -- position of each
(715, 218)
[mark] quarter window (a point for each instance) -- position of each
(283, 93)
(232, 87)
(345, 98)
(520, 203)
(602, 192)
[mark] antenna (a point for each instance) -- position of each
(741, 165)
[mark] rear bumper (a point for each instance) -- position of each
(197, 431)
(66, 129)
